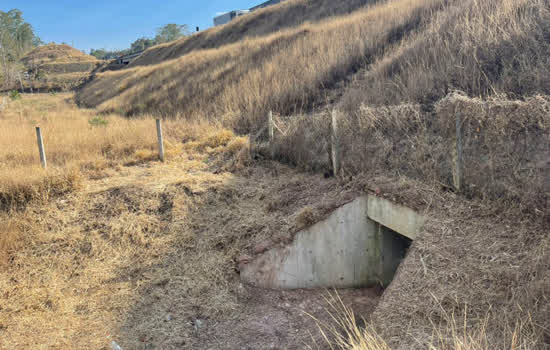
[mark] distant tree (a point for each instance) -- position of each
(141, 44)
(98, 53)
(165, 34)
(171, 32)
(16, 38)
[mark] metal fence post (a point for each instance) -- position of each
(160, 140)
(41, 147)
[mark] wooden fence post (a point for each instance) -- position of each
(41, 147)
(160, 140)
(458, 173)
(270, 131)
(270, 126)
(335, 141)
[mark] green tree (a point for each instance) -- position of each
(98, 53)
(171, 32)
(16, 38)
(141, 44)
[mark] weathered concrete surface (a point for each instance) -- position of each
(347, 249)
(332, 253)
(400, 219)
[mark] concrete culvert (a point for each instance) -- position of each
(361, 244)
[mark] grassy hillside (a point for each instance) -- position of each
(57, 67)
(262, 22)
(392, 52)
(53, 53)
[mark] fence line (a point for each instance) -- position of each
(486, 148)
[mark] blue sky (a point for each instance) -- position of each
(114, 24)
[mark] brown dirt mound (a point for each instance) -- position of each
(53, 53)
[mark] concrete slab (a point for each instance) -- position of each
(347, 249)
(400, 219)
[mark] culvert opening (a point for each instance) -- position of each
(361, 244)
(393, 249)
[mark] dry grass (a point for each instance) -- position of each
(77, 141)
(459, 336)
(394, 52)
(57, 68)
(480, 47)
(262, 22)
(112, 261)
(506, 147)
(345, 331)
(289, 71)
(53, 53)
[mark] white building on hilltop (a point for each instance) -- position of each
(228, 16)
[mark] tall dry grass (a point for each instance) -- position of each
(77, 141)
(260, 23)
(390, 52)
(347, 332)
(81, 145)
(482, 47)
(289, 71)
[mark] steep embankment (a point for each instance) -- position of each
(288, 71)
(402, 51)
(262, 22)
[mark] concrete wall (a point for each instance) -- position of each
(348, 249)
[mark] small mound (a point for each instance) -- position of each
(57, 68)
(53, 53)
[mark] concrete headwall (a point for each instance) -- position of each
(348, 249)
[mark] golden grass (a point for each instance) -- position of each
(80, 140)
(346, 332)
(52, 53)
(261, 22)
(392, 52)
(287, 71)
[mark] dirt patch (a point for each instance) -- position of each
(148, 257)
(262, 319)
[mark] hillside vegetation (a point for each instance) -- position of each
(110, 244)
(261, 23)
(57, 67)
(53, 53)
(391, 52)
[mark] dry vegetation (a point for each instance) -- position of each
(57, 68)
(52, 53)
(263, 22)
(132, 254)
(103, 243)
(402, 51)
(346, 331)
(78, 141)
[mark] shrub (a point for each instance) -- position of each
(15, 95)
(98, 121)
